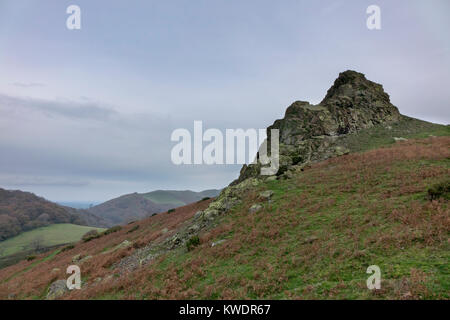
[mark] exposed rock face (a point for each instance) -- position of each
(357, 103)
(310, 132)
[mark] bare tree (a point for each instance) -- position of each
(37, 244)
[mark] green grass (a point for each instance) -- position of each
(49, 236)
(379, 136)
(163, 197)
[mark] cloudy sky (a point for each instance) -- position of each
(86, 115)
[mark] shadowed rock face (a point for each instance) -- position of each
(357, 103)
(310, 132)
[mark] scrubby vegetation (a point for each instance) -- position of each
(91, 235)
(133, 229)
(315, 239)
(192, 243)
(440, 190)
(112, 230)
(67, 248)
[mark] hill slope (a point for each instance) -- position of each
(352, 191)
(315, 239)
(38, 240)
(137, 206)
(23, 211)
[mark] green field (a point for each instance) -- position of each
(49, 236)
(163, 197)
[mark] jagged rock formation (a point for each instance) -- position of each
(308, 133)
(311, 132)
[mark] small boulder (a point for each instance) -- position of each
(176, 240)
(85, 259)
(198, 214)
(76, 258)
(210, 214)
(194, 228)
(340, 151)
(287, 175)
(217, 243)
(57, 289)
(124, 244)
(310, 239)
(266, 195)
(400, 139)
(255, 208)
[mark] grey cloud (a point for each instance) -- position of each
(28, 180)
(67, 109)
(27, 84)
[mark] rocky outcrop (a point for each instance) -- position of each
(308, 133)
(57, 289)
(311, 132)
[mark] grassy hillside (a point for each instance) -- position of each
(26, 243)
(48, 236)
(384, 134)
(36, 275)
(318, 235)
(23, 211)
(314, 239)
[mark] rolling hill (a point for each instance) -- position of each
(135, 206)
(26, 219)
(23, 211)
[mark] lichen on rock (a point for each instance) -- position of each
(311, 133)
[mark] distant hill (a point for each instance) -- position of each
(23, 211)
(78, 205)
(136, 206)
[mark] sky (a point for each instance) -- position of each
(87, 115)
